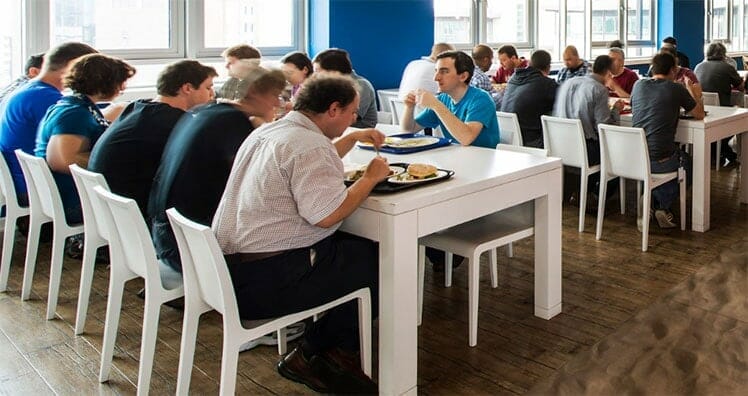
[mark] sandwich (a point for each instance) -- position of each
(421, 171)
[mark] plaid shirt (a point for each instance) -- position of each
(483, 81)
(566, 73)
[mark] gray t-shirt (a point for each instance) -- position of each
(655, 106)
(718, 76)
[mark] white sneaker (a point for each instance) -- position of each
(293, 332)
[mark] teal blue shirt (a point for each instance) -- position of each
(476, 106)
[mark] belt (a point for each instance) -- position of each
(238, 258)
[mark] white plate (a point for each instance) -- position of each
(389, 140)
(414, 142)
(395, 170)
(403, 178)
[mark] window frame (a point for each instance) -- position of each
(623, 30)
(186, 38)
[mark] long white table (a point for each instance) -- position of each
(720, 123)
(485, 181)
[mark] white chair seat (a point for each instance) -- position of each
(473, 238)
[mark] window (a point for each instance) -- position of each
(548, 24)
(11, 53)
(727, 21)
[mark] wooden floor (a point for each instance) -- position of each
(605, 284)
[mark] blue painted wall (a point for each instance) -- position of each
(382, 36)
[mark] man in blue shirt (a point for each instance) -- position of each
(21, 113)
(466, 114)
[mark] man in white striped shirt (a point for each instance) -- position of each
(277, 221)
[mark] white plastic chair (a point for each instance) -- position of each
(45, 205)
(473, 238)
(509, 130)
(564, 138)
(389, 129)
(398, 108)
(384, 117)
(13, 211)
(624, 153)
(95, 234)
(208, 287)
(133, 256)
(712, 99)
(384, 96)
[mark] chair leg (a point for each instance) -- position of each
(448, 269)
(151, 315)
(9, 238)
(582, 199)
(84, 290)
(364, 332)
(638, 196)
(474, 278)
(682, 183)
(494, 267)
(510, 250)
(622, 193)
(32, 246)
(601, 208)
(646, 203)
(187, 348)
(719, 153)
(229, 362)
(111, 325)
(421, 271)
(55, 273)
(282, 341)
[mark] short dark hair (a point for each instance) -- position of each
(334, 59)
(98, 74)
(242, 51)
(509, 50)
(662, 63)
(58, 57)
(670, 50)
(257, 79)
(670, 40)
(176, 74)
(322, 90)
(463, 63)
(616, 44)
(603, 63)
(300, 60)
(34, 61)
(541, 60)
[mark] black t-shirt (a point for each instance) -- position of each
(129, 152)
(655, 106)
(194, 169)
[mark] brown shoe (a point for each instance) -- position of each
(351, 380)
(296, 367)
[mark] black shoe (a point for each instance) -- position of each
(309, 371)
(74, 247)
(350, 378)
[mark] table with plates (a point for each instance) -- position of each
(720, 123)
(485, 181)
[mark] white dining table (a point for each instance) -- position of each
(720, 123)
(485, 181)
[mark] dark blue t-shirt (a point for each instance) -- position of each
(69, 116)
(19, 118)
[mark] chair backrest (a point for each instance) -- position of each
(42, 189)
(564, 138)
(384, 97)
(93, 207)
(710, 98)
(128, 235)
(398, 108)
(509, 130)
(623, 151)
(522, 149)
(7, 188)
(384, 117)
(203, 265)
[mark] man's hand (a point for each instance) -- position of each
(426, 99)
(369, 135)
(618, 105)
(377, 170)
(410, 98)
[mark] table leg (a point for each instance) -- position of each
(398, 329)
(548, 250)
(743, 146)
(700, 197)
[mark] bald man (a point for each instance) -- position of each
(483, 59)
(574, 66)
